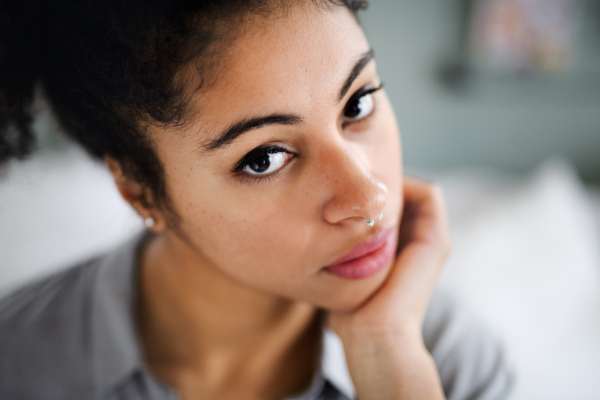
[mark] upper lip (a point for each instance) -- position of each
(366, 247)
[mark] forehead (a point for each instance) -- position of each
(282, 62)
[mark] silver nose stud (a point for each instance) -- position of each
(371, 222)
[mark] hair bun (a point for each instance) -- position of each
(18, 69)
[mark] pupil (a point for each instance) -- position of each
(354, 109)
(260, 163)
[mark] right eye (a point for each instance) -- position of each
(264, 161)
(359, 108)
(361, 104)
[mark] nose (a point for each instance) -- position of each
(354, 194)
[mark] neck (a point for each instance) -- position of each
(192, 316)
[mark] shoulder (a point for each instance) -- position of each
(470, 360)
(42, 334)
(32, 302)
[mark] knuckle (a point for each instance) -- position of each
(444, 243)
(433, 190)
(436, 192)
(435, 195)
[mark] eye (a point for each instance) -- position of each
(359, 108)
(264, 161)
(360, 105)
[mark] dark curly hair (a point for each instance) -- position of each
(110, 68)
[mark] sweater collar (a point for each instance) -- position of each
(117, 355)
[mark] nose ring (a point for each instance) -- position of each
(371, 222)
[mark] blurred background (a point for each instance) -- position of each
(499, 101)
(495, 83)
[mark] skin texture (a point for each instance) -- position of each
(229, 296)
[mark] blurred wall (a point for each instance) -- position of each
(511, 124)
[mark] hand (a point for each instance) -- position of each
(383, 338)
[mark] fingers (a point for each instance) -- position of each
(424, 245)
(424, 218)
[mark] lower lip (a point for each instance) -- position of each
(370, 263)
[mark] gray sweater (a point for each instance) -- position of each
(71, 336)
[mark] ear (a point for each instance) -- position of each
(137, 195)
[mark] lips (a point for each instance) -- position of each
(367, 258)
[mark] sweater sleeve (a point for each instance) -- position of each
(471, 362)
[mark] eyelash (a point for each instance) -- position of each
(247, 178)
(364, 91)
(244, 177)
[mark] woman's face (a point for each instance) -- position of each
(273, 205)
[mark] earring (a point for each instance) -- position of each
(149, 222)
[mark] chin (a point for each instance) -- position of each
(351, 294)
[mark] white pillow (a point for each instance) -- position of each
(526, 258)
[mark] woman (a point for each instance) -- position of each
(255, 141)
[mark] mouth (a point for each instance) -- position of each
(368, 258)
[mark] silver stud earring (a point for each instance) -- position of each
(149, 222)
(380, 216)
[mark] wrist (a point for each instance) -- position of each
(384, 365)
(387, 348)
(407, 334)
(395, 374)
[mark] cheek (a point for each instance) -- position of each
(249, 239)
(386, 159)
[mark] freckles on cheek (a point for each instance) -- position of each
(221, 227)
(269, 240)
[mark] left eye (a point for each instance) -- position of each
(359, 108)
(265, 161)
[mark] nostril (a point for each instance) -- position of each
(355, 194)
(364, 199)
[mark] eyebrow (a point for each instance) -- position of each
(241, 127)
(358, 67)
